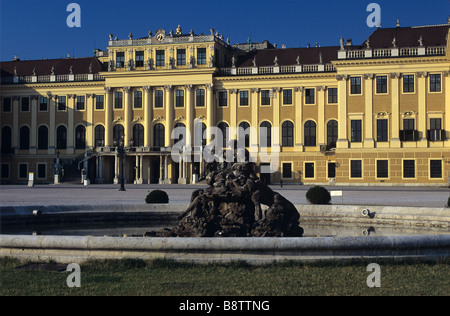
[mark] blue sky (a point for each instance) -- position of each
(35, 29)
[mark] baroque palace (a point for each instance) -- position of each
(376, 113)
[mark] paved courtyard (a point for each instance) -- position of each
(13, 195)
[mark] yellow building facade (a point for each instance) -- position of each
(370, 114)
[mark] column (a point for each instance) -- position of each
(70, 123)
(422, 109)
(276, 119)
(446, 89)
(33, 133)
(116, 169)
(342, 112)
(395, 101)
(127, 116)
(169, 106)
(52, 124)
(108, 116)
(161, 170)
(298, 126)
(141, 167)
(368, 123)
(15, 124)
(166, 170)
(254, 137)
(90, 122)
(148, 114)
(233, 111)
(321, 128)
(210, 110)
(189, 115)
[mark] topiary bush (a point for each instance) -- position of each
(157, 197)
(448, 202)
(318, 195)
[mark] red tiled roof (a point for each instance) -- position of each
(44, 67)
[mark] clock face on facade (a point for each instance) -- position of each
(160, 37)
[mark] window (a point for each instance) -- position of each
(118, 133)
(409, 168)
(331, 170)
(25, 104)
(355, 85)
(80, 103)
(435, 83)
(436, 133)
(6, 104)
(159, 99)
(61, 137)
(332, 134)
(309, 170)
(180, 132)
(244, 134)
(408, 83)
(42, 171)
(139, 59)
(99, 136)
(181, 57)
(23, 171)
(309, 96)
(118, 99)
(120, 59)
(223, 98)
(287, 134)
(382, 130)
(287, 96)
(223, 127)
(158, 135)
(382, 169)
(356, 131)
(99, 102)
(138, 135)
(43, 137)
(199, 134)
(137, 100)
(265, 134)
(356, 169)
(5, 171)
(80, 137)
(332, 95)
(6, 140)
(179, 98)
(160, 58)
(200, 98)
(201, 56)
(409, 134)
(436, 169)
(265, 97)
(243, 98)
(61, 103)
(310, 133)
(43, 104)
(381, 84)
(287, 170)
(24, 138)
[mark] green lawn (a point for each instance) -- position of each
(168, 278)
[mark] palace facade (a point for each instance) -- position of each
(376, 113)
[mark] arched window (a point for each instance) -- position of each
(244, 134)
(61, 137)
(265, 134)
(43, 137)
(200, 134)
(287, 134)
(223, 127)
(310, 133)
(158, 135)
(6, 140)
(332, 134)
(118, 133)
(180, 132)
(99, 136)
(138, 135)
(24, 137)
(80, 137)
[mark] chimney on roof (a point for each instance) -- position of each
(16, 58)
(448, 20)
(398, 22)
(349, 42)
(283, 46)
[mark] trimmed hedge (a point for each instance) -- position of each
(157, 197)
(448, 202)
(318, 195)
